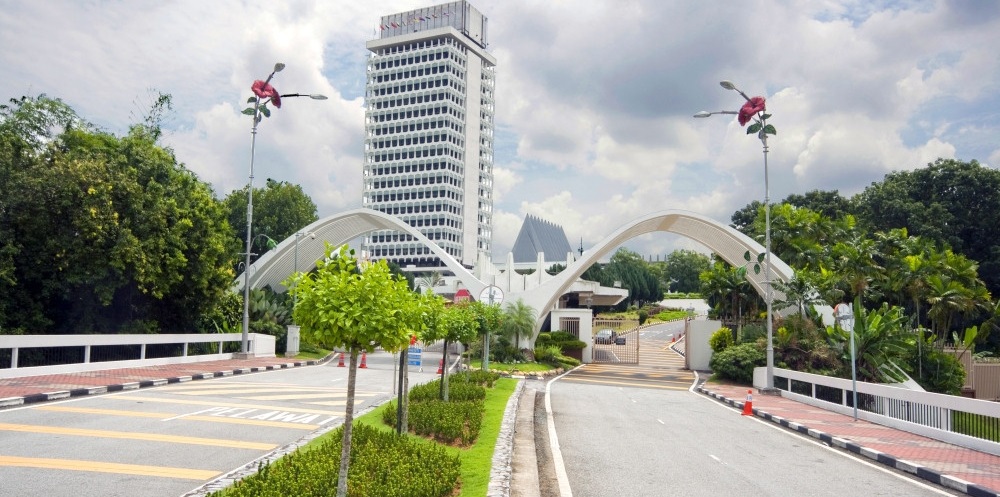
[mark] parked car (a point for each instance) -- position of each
(605, 336)
(619, 340)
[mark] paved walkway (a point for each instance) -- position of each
(964, 470)
(30, 389)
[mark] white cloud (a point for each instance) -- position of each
(594, 99)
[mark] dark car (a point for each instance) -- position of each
(605, 336)
(619, 340)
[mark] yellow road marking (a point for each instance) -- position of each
(107, 467)
(231, 404)
(157, 415)
(294, 396)
(330, 403)
(153, 437)
(245, 390)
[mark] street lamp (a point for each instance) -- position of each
(261, 89)
(754, 110)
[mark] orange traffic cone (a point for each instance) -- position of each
(364, 360)
(341, 363)
(748, 405)
(673, 338)
(441, 367)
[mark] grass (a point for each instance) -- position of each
(317, 354)
(524, 367)
(477, 461)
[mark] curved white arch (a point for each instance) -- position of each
(722, 239)
(277, 264)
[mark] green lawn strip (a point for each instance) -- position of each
(524, 367)
(477, 461)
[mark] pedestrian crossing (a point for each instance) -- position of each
(319, 396)
(659, 367)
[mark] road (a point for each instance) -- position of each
(168, 440)
(630, 430)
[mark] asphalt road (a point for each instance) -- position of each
(168, 440)
(619, 434)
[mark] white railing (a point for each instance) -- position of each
(956, 420)
(55, 354)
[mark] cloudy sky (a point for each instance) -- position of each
(594, 98)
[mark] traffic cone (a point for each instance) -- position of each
(441, 367)
(364, 360)
(748, 405)
(673, 338)
(341, 363)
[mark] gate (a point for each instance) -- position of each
(616, 341)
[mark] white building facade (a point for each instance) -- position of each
(429, 131)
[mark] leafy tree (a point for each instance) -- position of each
(950, 202)
(799, 293)
(342, 306)
(102, 233)
(280, 209)
(629, 268)
(682, 269)
(490, 319)
(457, 324)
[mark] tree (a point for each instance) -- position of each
(518, 320)
(632, 272)
(490, 318)
(682, 269)
(343, 306)
(458, 324)
(953, 203)
(280, 210)
(102, 233)
(880, 345)
(799, 293)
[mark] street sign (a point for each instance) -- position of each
(413, 356)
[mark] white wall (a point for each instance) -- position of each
(698, 352)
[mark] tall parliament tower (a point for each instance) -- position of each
(429, 134)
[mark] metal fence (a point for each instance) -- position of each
(982, 378)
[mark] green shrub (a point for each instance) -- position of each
(721, 339)
(452, 422)
(459, 388)
(643, 316)
(752, 332)
(548, 353)
(936, 370)
(736, 363)
(382, 464)
(568, 362)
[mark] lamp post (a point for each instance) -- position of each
(754, 110)
(262, 89)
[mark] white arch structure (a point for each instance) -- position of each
(539, 290)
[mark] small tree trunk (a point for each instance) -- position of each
(406, 398)
(345, 452)
(402, 394)
(444, 372)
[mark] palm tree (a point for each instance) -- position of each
(429, 281)
(799, 292)
(519, 319)
(946, 297)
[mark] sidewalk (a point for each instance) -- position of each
(30, 389)
(965, 470)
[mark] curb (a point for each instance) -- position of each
(917, 470)
(118, 387)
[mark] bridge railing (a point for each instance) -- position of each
(956, 420)
(31, 355)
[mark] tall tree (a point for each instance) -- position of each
(682, 268)
(358, 309)
(950, 202)
(103, 233)
(518, 321)
(280, 209)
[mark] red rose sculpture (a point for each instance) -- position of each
(749, 109)
(264, 90)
